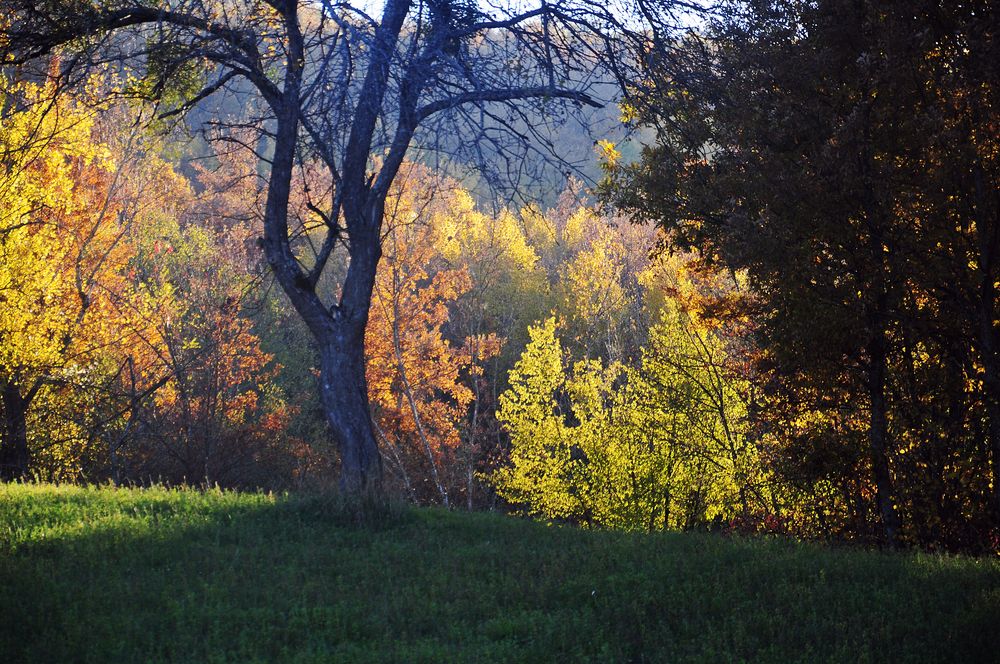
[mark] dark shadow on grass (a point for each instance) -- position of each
(368, 511)
(312, 578)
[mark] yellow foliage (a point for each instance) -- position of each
(660, 445)
(608, 153)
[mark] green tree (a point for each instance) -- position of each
(662, 444)
(539, 474)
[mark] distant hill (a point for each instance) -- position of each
(537, 180)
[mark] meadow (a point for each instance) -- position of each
(157, 575)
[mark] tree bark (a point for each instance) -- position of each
(878, 437)
(991, 385)
(344, 391)
(15, 457)
(339, 330)
(987, 239)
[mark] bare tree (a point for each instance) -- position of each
(478, 81)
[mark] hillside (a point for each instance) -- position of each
(101, 575)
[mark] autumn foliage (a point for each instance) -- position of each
(804, 341)
(418, 378)
(124, 349)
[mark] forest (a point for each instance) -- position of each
(653, 265)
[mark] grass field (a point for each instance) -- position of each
(101, 575)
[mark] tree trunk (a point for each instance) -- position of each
(878, 436)
(991, 389)
(344, 392)
(877, 315)
(988, 236)
(15, 458)
(339, 330)
(666, 508)
(389, 445)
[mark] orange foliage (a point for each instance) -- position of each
(417, 377)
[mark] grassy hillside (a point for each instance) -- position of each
(99, 575)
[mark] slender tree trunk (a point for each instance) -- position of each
(991, 387)
(473, 421)
(878, 221)
(470, 477)
(397, 347)
(878, 436)
(15, 458)
(397, 458)
(987, 239)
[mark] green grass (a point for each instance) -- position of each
(101, 575)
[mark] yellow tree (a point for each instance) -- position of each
(661, 442)
(63, 246)
(540, 472)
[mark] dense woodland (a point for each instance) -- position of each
(768, 304)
